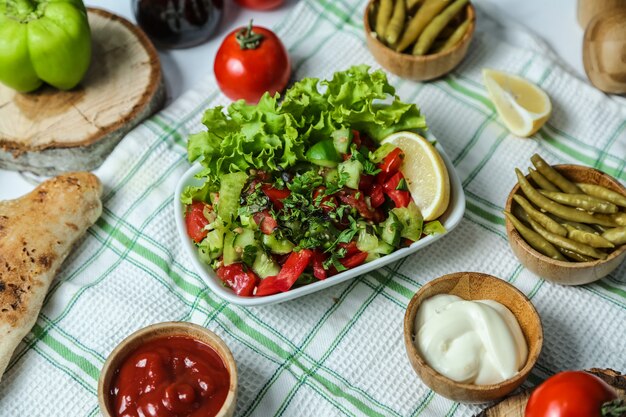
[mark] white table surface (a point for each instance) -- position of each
(553, 20)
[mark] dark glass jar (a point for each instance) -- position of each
(178, 23)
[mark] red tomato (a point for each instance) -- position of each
(241, 280)
(259, 4)
(195, 221)
(356, 199)
(377, 198)
(350, 248)
(246, 68)
(569, 394)
(266, 222)
(327, 203)
(318, 264)
(275, 195)
(354, 260)
(401, 198)
(366, 182)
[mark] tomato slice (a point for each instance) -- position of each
(401, 198)
(391, 163)
(195, 221)
(354, 260)
(266, 222)
(289, 273)
(318, 264)
(366, 182)
(241, 280)
(377, 197)
(327, 203)
(350, 248)
(275, 195)
(356, 199)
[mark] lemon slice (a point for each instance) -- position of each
(522, 105)
(425, 173)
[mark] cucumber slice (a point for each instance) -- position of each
(372, 256)
(391, 230)
(264, 266)
(331, 176)
(411, 219)
(245, 238)
(342, 139)
(230, 253)
(277, 246)
(383, 248)
(379, 154)
(366, 242)
(353, 170)
(214, 243)
(323, 154)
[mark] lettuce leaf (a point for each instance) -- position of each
(274, 135)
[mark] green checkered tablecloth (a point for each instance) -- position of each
(340, 351)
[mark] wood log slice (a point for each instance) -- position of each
(51, 131)
(515, 405)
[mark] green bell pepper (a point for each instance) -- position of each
(43, 41)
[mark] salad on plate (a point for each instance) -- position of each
(297, 190)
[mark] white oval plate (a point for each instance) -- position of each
(450, 219)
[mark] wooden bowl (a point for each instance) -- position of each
(562, 272)
(418, 68)
(159, 330)
(588, 9)
(474, 286)
(604, 50)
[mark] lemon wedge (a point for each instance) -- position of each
(522, 105)
(425, 173)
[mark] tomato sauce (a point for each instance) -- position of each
(173, 376)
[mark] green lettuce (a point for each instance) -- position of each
(273, 135)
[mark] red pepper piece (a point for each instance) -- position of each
(318, 264)
(354, 260)
(289, 273)
(401, 198)
(377, 197)
(275, 195)
(327, 203)
(195, 221)
(391, 162)
(266, 222)
(241, 280)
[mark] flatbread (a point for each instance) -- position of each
(37, 232)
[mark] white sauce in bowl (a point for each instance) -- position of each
(475, 342)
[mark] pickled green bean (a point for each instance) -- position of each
(581, 201)
(456, 36)
(424, 15)
(567, 243)
(553, 175)
(541, 181)
(396, 24)
(535, 240)
(617, 235)
(603, 193)
(428, 36)
(591, 239)
(579, 226)
(540, 217)
(617, 219)
(557, 209)
(574, 255)
(385, 8)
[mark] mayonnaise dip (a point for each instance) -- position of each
(475, 342)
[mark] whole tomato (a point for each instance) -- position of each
(570, 394)
(250, 62)
(259, 4)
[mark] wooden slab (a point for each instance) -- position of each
(52, 131)
(514, 406)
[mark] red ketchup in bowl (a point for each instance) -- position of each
(172, 376)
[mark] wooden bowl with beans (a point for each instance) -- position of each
(426, 40)
(584, 244)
